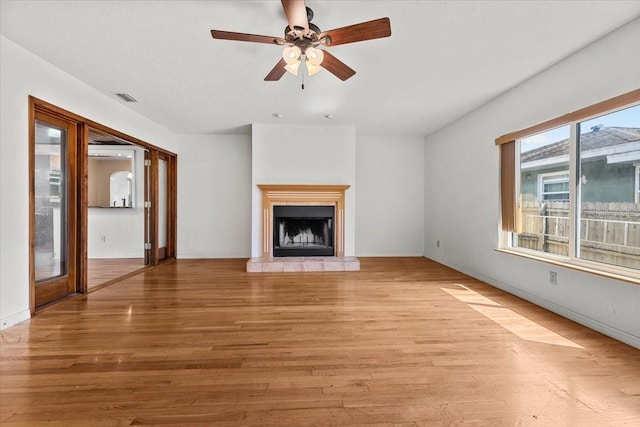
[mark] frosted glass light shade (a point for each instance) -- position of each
(293, 68)
(314, 56)
(291, 54)
(312, 69)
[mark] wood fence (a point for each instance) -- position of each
(609, 232)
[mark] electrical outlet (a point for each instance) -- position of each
(103, 238)
(437, 243)
(553, 277)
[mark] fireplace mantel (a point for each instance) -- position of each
(282, 195)
(330, 195)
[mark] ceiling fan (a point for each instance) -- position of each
(302, 41)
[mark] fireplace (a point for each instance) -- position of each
(303, 230)
(300, 197)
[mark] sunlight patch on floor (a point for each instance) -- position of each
(508, 319)
(470, 297)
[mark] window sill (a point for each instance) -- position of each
(632, 278)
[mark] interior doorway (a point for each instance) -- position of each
(116, 229)
(101, 204)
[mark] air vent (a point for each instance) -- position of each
(126, 97)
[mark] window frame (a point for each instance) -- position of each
(509, 194)
(637, 185)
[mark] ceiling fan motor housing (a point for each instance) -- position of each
(303, 40)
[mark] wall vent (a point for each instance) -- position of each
(126, 97)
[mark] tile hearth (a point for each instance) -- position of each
(302, 264)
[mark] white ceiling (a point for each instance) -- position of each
(443, 59)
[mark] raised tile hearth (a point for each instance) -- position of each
(302, 264)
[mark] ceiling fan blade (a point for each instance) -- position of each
(277, 72)
(296, 11)
(369, 30)
(336, 67)
(242, 37)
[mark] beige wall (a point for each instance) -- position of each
(100, 171)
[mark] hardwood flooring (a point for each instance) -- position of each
(405, 341)
(104, 271)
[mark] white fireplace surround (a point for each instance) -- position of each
(299, 195)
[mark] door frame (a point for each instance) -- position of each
(80, 190)
(66, 284)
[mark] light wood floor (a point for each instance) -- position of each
(102, 271)
(405, 341)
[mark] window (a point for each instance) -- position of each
(543, 192)
(554, 186)
(607, 148)
(576, 183)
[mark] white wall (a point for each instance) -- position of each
(214, 196)
(291, 154)
(23, 74)
(215, 175)
(461, 187)
(115, 233)
(390, 198)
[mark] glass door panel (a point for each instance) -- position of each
(147, 208)
(162, 206)
(54, 208)
(50, 202)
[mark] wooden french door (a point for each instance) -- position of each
(163, 206)
(58, 201)
(162, 200)
(54, 208)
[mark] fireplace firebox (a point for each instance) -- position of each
(303, 231)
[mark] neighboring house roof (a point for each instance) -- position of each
(599, 137)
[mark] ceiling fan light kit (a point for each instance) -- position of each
(302, 41)
(291, 55)
(314, 58)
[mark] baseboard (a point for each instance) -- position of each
(583, 320)
(124, 255)
(212, 256)
(15, 319)
(391, 255)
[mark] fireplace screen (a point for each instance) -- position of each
(303, 231)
